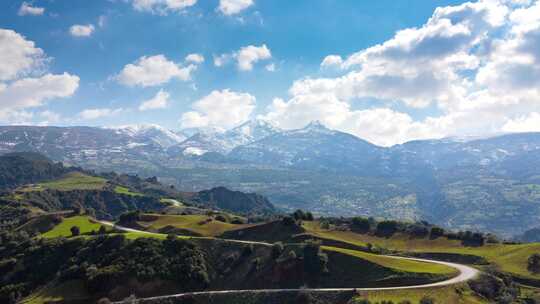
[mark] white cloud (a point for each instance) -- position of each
(79, 30)
(220, 109)
(232, 7)
(160, 101)
(49, 117)
(34, 92)
(246, 57)
(162, 7)
(153, 71)
(23, 84)
(195, 58)
(477, 64)
(251, 54)
(270, 67)
(331, 60)
(92, 114)
(18, 56)
(528, 123)
(27, 9)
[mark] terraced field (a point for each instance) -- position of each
(509, 258)
(202, 225)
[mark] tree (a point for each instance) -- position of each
(102, 230)
(427, 300)
(277, 249)
(288, 221)
(387, 228)
(436, 232)
(361, 224)
(75, 231)
(533, 263)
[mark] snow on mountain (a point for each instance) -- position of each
(216, 140)
(151, 133)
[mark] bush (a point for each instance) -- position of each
(221, 218)
(75, 231)
(361, 224)
(288, 221)
(102, 230)
(387, 228)
(304, 298)
(248, 250)
(436, 232)
(427, 300)
(277, 249)
(533, 263)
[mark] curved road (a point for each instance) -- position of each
(466, 273)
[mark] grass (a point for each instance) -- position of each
(172, 202)
(126, 191)
(508, 258)
(198, 224)
(397, 264)
(63, 229)
(68, 291)
(73, 181)
(447, 295)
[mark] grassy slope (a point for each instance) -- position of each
(74, 181)
(397, 264)
(510, 258)
(126, 191)
(447, 295)
(63, 229)
(194, 223)
(67, 291)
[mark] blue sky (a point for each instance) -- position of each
(298, 35)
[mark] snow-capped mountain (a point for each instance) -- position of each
(313, 146)
(151, 133)
(215, 140)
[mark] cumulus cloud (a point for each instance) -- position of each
(477, 64)
(195, 58)
(220, 109)
(79, 30)
(92, 114)
(24, 83)
(153, 71)
(270, 67)
(233, 7)
(160, 101)
(162, 7)
(18, 56)
(332, 60)
(246, 57)
(34, 92)
(28, 9)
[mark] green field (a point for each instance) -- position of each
(397, 264)
(509, 258)
(126, 191)
(73, 290)
(63, 229)
(459, 294)
(73, 181)
(200, 224)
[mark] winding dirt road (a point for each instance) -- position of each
(466, 273)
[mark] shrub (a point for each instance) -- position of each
(75, 231)
(361, 224)
(387, 228)
(304, 298)
(221, 218)
(248, 250)
(102, 230)
(427, 300)
(436, 232)
(288, 221)
(533, 263)
(277, 249)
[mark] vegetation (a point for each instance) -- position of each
(83, 224)
(75, 181)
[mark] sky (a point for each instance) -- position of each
(387, 71)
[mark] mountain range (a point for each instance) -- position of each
(488, 184)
